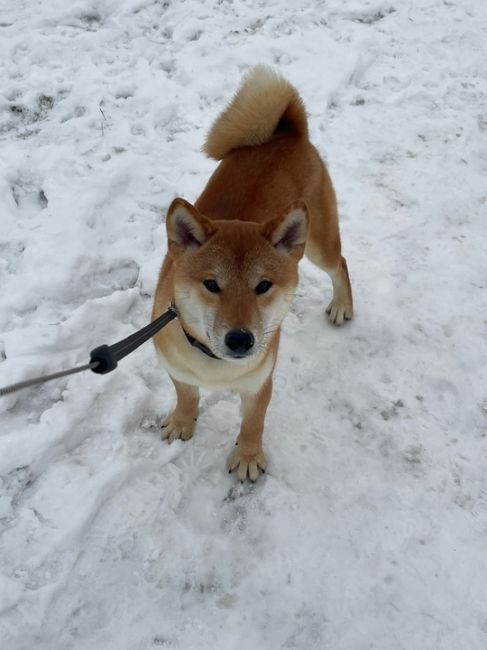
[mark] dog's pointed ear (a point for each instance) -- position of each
(287, 233)
(186, 227)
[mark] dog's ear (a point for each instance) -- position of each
(186, 227)
(287, 233)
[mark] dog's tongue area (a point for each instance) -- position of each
(368, 528)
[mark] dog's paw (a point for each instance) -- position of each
(339, 312)
(247, 464)
(177, 427)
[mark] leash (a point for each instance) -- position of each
(104, 358)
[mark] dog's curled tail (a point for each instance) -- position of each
(264, 104)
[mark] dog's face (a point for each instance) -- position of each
(234, 280)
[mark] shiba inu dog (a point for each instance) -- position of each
(232, 263)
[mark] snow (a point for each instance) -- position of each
(369, 529)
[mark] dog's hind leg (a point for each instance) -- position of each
(323, 248)
(340, 308)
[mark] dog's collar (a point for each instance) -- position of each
(200, 346)
(194, 342)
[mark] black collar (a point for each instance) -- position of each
(194, 342)
(200, 346)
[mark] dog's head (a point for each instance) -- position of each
(234, 280)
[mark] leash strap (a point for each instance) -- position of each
(107, 356)
(104, 358)
(40, 380)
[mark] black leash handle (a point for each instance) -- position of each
(107, 356)
(104, 358)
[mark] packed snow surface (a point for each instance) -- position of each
(369, 530)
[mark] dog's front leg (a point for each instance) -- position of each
(248, 457)
(181, 422)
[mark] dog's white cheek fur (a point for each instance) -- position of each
(274, 315)
(197, 314)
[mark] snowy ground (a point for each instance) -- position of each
(370, 529)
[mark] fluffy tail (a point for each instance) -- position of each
(264, 104)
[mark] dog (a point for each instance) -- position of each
(231, 268)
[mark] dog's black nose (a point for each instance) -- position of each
(239, 341)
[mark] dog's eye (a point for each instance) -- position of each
(212, 286)
(263, 287)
